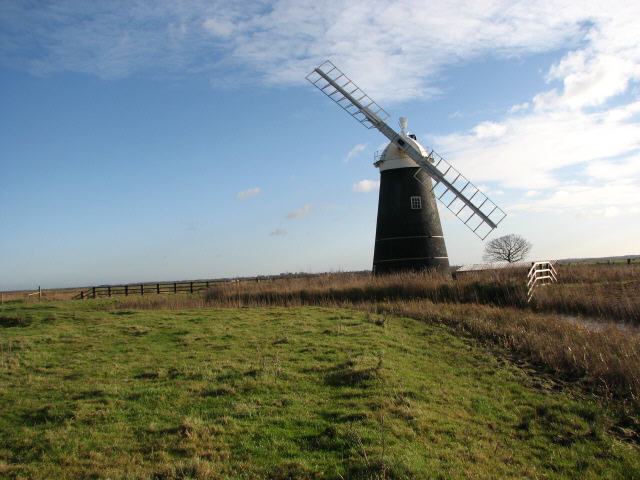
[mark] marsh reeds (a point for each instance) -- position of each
(608, 292)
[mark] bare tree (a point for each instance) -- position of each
(509, 248)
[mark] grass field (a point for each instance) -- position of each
(95, 389)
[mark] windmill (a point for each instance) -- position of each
(408, 230)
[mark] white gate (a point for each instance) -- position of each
(541, 273)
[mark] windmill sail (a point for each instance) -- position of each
(339, 88)
(458, 194)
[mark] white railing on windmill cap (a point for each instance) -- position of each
(541, 273)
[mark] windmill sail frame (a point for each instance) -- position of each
(338, 87)
(456, 188)
(450, 187)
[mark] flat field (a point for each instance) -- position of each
(94, 390)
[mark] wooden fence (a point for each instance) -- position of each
(144, 289)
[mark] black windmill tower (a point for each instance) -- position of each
(408, 231)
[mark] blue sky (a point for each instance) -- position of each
(176, 140)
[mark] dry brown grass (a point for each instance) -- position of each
(605, 291)
(618, 302)
(47, 294)
(610, 292)
(500, 288)
(598, 272)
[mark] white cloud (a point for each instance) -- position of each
(627, 169)
(519, 107)
(354, 151)
(489, 130)
(569, 125)
(572, 148)
(240, 42)
(608, 212)
(591, 78)
(539, 143)
(597, 200)
(278, 232)
(364, 186)
(252, 192)
(301, 212)
(218, 27)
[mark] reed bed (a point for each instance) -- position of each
(613, 294)
(499, 288)
(606, 292)
(597, 273)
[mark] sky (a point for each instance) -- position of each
(169, 140)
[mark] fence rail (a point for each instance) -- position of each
(144, 289)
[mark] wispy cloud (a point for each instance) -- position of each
(587, 119)
(278, 232)
(573, 148)
(608, 199)
(354, 151)
(219, 27)
(240, 42)
(539, 143)
(489, 130)
(364, 186)
(301, 212)
(252, 192)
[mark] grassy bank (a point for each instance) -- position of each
(490, 307)
(91, 390)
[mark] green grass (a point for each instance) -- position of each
(282, 393)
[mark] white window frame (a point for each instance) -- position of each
(416, 203)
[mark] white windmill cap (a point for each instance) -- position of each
(392, 157)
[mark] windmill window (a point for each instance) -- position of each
(416, 203)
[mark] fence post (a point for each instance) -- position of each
(39, 293)
(207, 284)
(108, 291)
(126, 290)
(94, 291)
(158, 288)
(141, 289)
(81, 295)
(175, 287)
(191, 287)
